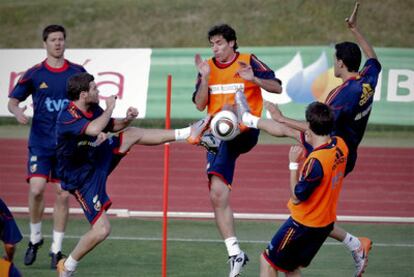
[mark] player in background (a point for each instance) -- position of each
(313, 197)
(87, 155)
(351, 103)
(46, 83)
(218, 79)
(10, 235)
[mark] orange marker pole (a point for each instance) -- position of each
(166, 178)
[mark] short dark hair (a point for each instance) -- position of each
(53, 29)
(320, 118)
(228, 33)
(350, 54)
(78, 83)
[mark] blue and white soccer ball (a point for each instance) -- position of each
(224, 125)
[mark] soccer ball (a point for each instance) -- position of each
(224, 125)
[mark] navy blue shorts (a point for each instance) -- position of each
(9, 232)
(92, 194)
(223, 162)
(42, 163)
(295, 245)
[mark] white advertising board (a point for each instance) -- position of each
(121, 72)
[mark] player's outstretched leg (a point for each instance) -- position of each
(191, 134)
(237, 263)
(197, 129)
(360, 256)
(241, 104)
(243, 111)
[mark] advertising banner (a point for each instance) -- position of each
(306, 73)
(121, 72)
(139, 76)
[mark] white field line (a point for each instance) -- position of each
(126, 238)
(157, 214)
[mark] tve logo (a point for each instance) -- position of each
(55, 105)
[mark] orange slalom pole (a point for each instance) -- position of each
(166, 178)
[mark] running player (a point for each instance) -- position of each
(10, 235)
(313, 197)
(46, 83)
(351, 103)
(217, 82)
(87, 155)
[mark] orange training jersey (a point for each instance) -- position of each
(223, 83)
(319, 209)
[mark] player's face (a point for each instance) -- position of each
(55, 45)
(337, 64)
(93, 93)
(222, 49)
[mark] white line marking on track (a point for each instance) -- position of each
(251, 216)
(409, 245)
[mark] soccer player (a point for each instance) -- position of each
(87, 155)
(10, 235)
(46, 83)
(218, 79)
(313, 197)
(351, 103)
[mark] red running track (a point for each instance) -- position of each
(381, 185)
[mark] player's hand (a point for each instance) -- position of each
(101, 138)
(202, 66)
(296, 153)
(110, 102)
(20, 116)
(245, 71)
(274, 111)
(131, 114)
(352, 20)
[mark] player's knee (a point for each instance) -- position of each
(219, 194)
(37, 191)
(218, 198)
(131, 136)
(103, 231)
(37, 187)
(266, 270)
(62, 195)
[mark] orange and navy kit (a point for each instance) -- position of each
(223, 83)
(312, 219)
(320, 184)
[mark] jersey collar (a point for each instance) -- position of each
(331, 143)
(85, 114)
(58, 69)
(225, 65)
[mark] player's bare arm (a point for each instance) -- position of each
(362, 42)
(277, 115)
(246, 72)
(17, 111)
(120, 124)
(96, 126)
(201, 97)
(295, 155)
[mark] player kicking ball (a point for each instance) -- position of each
(87, 155)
